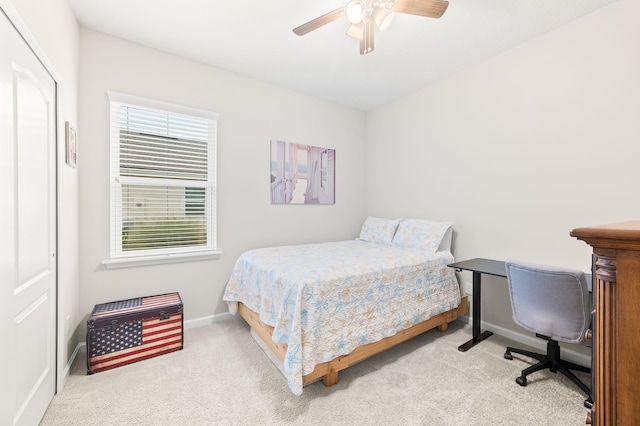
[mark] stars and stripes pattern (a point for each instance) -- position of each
(133, 305)
(134, 340)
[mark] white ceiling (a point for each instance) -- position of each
(255, 38)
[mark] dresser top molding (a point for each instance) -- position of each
(621, 235)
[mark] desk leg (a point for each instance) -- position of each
(477, 336)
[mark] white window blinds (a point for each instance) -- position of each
(163, 188)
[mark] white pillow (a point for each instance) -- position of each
(420, 234)
(378, 230)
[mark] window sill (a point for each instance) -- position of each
(130, 262)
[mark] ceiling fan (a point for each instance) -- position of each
(363, 13)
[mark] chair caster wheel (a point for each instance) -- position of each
(522, 381)
(507, 355)
(588, 403)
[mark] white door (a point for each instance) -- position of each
(27, 231)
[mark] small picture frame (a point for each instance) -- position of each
(71, 156)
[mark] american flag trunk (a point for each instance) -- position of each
(127, 331)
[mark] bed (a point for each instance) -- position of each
(322, 307)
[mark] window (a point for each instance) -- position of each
(194, 201)
(163, 188)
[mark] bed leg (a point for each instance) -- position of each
(443, 327)
(331, 378)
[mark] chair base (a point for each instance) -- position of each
(552, 361)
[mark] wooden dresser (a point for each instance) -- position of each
(616, 324)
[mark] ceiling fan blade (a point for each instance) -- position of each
(428, 8)
(314, 24)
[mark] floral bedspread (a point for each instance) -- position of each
(324, 300)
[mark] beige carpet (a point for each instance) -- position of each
(222, 377)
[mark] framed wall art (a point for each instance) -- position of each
(302, 174)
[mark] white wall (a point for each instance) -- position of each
(54, 27)
(520, 149)
(251, 114)
(537, 141)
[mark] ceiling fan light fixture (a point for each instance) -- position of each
(356, 11)
(356, 31)
(382, 17)
(365, 15)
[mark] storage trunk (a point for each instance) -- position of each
(127, 331)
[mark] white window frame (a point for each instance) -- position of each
(119, 258)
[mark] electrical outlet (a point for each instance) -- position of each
(468, 288)
(67, 325)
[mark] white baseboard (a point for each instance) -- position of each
(534, 342)
(80, 347)
(209, 319)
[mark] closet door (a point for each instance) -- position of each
(28, 229)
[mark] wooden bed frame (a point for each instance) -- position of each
(329, 370)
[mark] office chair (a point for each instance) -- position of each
(555, 304)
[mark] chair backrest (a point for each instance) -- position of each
(551, 301)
